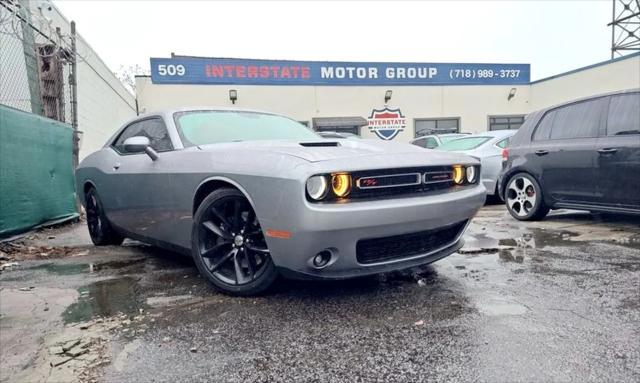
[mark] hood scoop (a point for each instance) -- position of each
(319, 144)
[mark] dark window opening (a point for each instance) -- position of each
(424, 127)
(152, 128)
(505, 122)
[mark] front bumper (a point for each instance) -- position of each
(339, 227)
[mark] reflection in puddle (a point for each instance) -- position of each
(60, 268)
(103, 299)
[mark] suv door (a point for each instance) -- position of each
(618, 160)
(138, 190)
(563, 150)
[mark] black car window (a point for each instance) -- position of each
(543, 130)
(421, 142)
(624, 115)
(152, 128)
(580, 120)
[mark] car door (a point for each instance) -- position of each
(138, 190)
(618, 160)
(563, 150)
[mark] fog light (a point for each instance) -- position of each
(341, 184)
(322, 258)
(458, 174)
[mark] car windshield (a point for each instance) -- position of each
(204, 127)
(466, 143)
(445, 139)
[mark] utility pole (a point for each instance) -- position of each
(73, 81)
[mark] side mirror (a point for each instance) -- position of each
(139, 144)
(136, 144)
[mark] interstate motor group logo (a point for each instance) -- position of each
(386, 123)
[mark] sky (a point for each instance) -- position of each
(553, 36)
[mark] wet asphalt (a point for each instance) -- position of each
(557, 300)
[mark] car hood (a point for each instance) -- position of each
(328, 150)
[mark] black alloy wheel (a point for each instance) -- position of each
(228, 245)
(100, 230)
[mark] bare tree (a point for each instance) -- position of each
(127, 75)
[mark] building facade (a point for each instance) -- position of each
(326, 97)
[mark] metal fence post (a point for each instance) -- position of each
(73, 80)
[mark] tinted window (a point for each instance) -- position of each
(153, 128)
(543, 131)
(421, 143)
(624, 115)
(213, 126)
(466, 143)
(578, 120)
(431, 143)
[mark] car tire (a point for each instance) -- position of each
(100, 229)
(228, 245)
(523, 198)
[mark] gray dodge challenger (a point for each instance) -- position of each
(251, 195)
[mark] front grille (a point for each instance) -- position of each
(393, 183)
(406, 245)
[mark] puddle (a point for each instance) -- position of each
(63, 268)
(59, 268)
(105, 298)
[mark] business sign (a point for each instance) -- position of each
(386, 123)
(194, 70)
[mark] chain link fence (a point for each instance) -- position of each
(35, 63)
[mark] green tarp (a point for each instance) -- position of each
(36, 177)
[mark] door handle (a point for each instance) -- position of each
(541, 152)
(116, 166)
(606, 151)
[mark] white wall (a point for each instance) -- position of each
(617, 75)
(473, 104)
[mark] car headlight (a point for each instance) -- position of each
(317, 187)
(341, 184)
(471, 174)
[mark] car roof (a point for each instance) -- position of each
(633, 90)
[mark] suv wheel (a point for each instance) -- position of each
(523, 198)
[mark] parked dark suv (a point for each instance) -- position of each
(580, 155)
